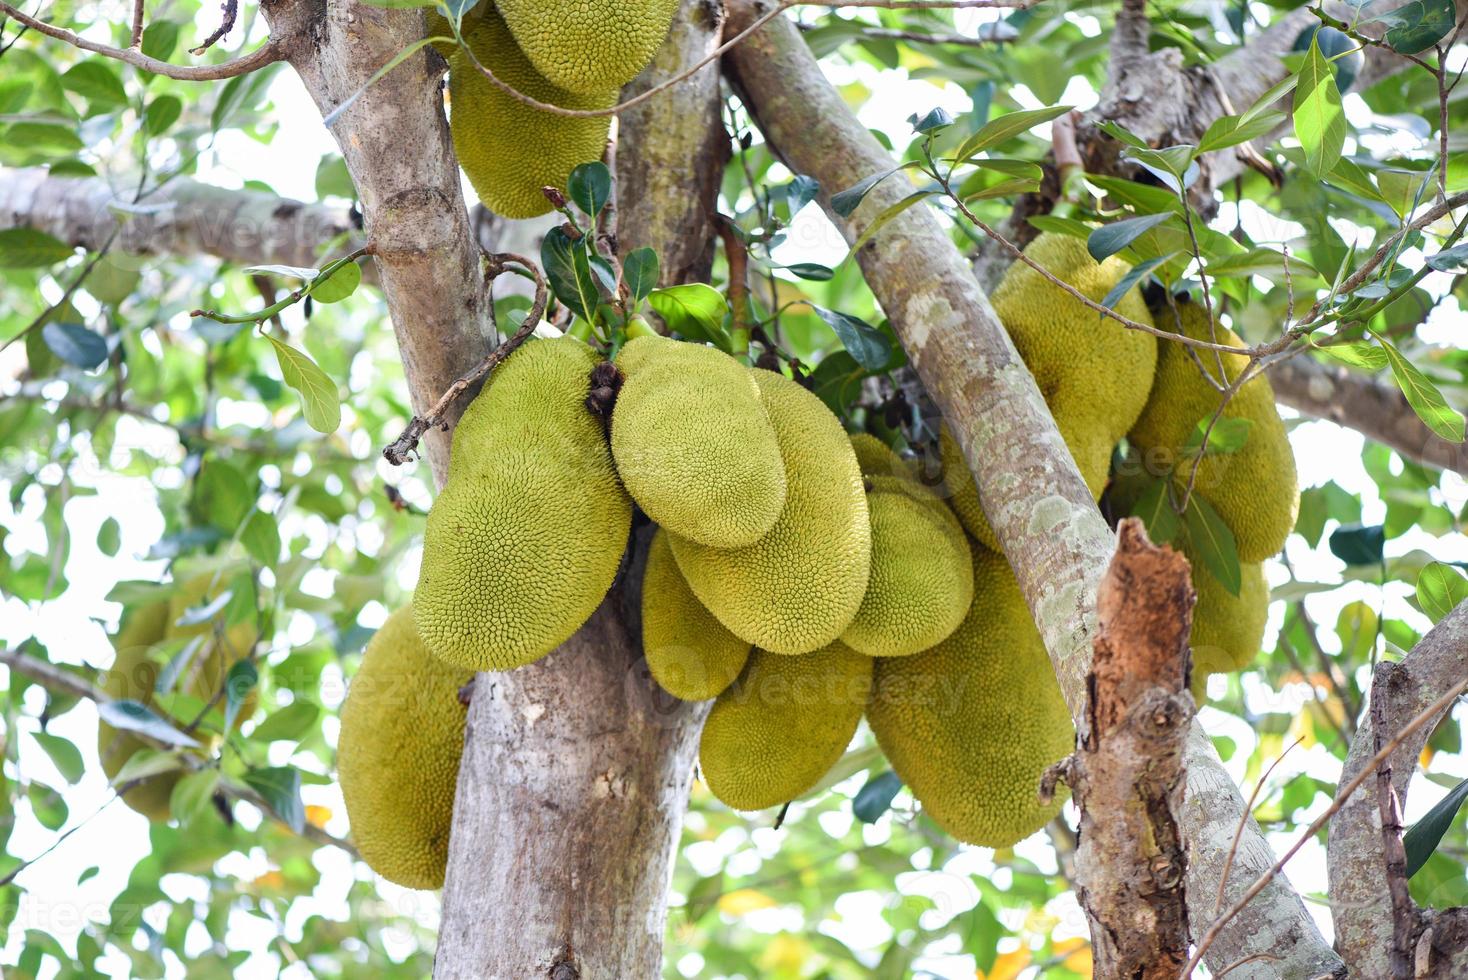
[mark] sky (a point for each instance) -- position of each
(72, 626)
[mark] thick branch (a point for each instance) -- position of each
(1376, 409)
(1127, 773)
(1028, 485)
(1360, 892)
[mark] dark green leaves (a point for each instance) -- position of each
(1359, 544)
(95, 81)
(75, 344)
(1424, 397)
(847, 201)
(1320, 124)
(1134, 275)
(1213, 543)
(874, 799)
(568, 269)
(1229, 131)
(1006, 127)
(590, 186)
(26, 248)
(1422, 839)
(640, 272)
(1110, 239)
(238, 684)
(338, 285)
(864, 342)
(1419, 25)
(1440, 588)
(319, 401)
(1453, 259)
(281, 788)
(932, 121)
(1155, 509)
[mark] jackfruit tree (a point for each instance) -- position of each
(656, 488)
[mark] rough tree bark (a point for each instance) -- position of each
(1028, 484)
(576, 769)
(1126, 773)
(1360, 891)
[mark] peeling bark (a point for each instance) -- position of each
(1360, 889)
(1028, 485)
(1376, 409)
(1126, 774)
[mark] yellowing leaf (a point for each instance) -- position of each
(269, 880)
(1007, 966)
(743, 901)
(318, 816)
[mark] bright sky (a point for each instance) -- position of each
(118, 837)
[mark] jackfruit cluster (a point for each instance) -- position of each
(134, 674)
(402, 734)
(573, 54)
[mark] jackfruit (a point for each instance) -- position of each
(972, 724)
(922, 578)
(508, 149)
(963, 493)
(783, 724)
(402, 734)
(528, 533)
(876, 458)
(589, 46)
(1228, 629)
(1093, 372)
(797, 588)
(694, 445)
(134, 677)
(1254, 490)
(688, 651)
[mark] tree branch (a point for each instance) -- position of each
(1035, 500)
(1360, 887)
(1376, 409)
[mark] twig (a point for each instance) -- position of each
(918, 37)
(60, 839)
(230, 10)
(1399, 956)
(398, 451)
(267, 54)
(1426, 715)
(135, 40)
(49, 675)
(1233, 848)
(737, 256)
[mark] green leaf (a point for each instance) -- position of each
(568, 270)
(330, 118)
(281, 787)
(1320, 125)
(48, 805)
(1423, 837)
(590, 186)
(887, 214)
(95, 81)
(1155, 509)
(1440, 587)
(162, 113)
(1359, 544)
(44, 136)
(13, 95)
(1227, 131)
(1133, 276)
(238, 684)
(160, 37)
(1401, 189)
(875, 798)
(847, 201)
(1271, 95)
(864, 342)
(26, 248)
(1419, 25)
(64, 755)
(109, 537)
(694, 309)
(75, 344)
(191, 795)
(1006, 127)
(319, 401)
(1453, 259)
(1213, 543)
(261, 538)
(1258, 261)
(1228, 435)
(1352, 179)
(811, 271)
(1444, 420)
(1110, 239)
(932, 121)
(640, 272)
(1173, 166)
(337, 286)
(333, 179)
(1073, 227)
(1358, 353)
(132, 716)
(288, 724)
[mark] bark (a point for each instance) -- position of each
(1028, 484)
(1126, 774)
(1376, 409)
(577, 768)
(1361, 890)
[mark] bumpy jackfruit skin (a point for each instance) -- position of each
(1094, 373)
(796, 589)
(527, 535)
(134, 677)
(1228, 629)
(589, 46)
(1255, 489)
(963, 494)
(689, 652)
(922, 577)
(784, 723)
(971, 724)
(694, 445)
(876, 458)
(402, 734)
(508, 149)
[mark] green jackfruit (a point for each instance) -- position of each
(797, 588)
(133, 676)
(528, 533)
(963, 493)
(402, 734)
(876, 458)
(688, 651)
(694, 445)
(589, 46)
(971, 724)
(783, 725)
(1254, 490)
(922, 578)
(508, 149)
(1228, 629)
(1093, 372)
